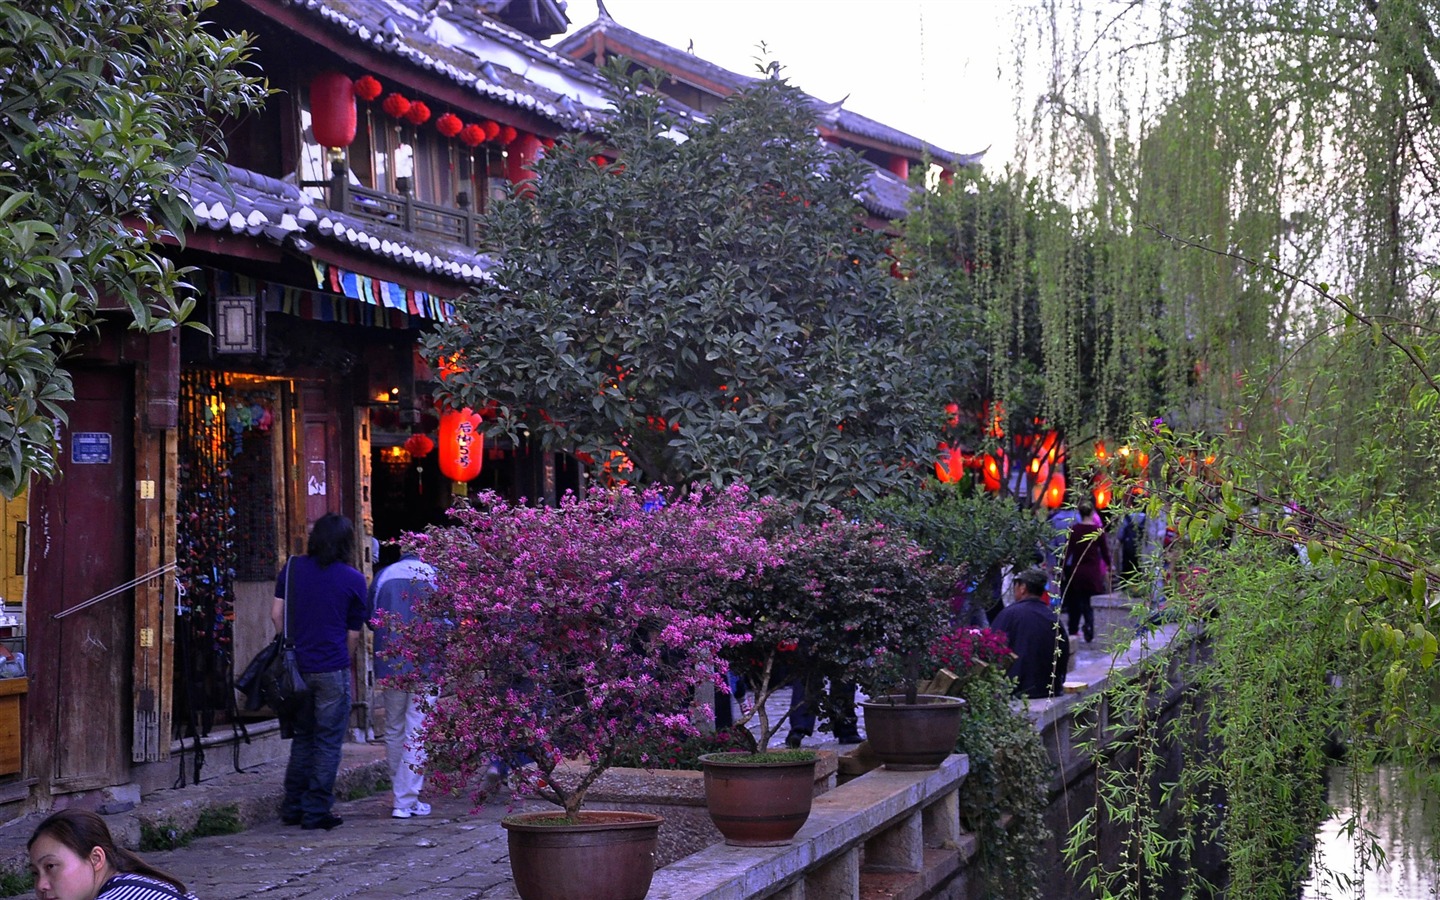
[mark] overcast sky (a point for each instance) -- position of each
(931, 68)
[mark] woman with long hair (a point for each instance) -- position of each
(75, 858)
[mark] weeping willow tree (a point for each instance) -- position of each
(1223, 226)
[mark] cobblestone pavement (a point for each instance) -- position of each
(448, 855)
(452, 854)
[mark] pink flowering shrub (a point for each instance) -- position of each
(559, 632)
(844, 594)
(967, 652)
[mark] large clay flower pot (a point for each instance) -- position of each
(913, 736)
(758, 804)
(606, 856)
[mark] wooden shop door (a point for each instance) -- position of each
(82, 545)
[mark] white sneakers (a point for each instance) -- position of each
(415, 809)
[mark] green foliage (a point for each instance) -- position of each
(672, 751)
(710, 306)
(163, 835)
(102, 104)
(14, 883)
(215, 820)
(976, 532)
(1003, 799)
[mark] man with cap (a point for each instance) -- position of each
(1036, 637)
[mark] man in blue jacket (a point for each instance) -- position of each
(1036, 637)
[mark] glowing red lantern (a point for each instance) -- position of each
(1104, 493)
(952, 414)
(462, 445)
(950, 467)
(449, 125)
(396, 105)
(472, 135)
(419, 445)
(418, 113)
(1054, 491)
(332, 109)
(492, 129)
(367, 87)
(990, 472)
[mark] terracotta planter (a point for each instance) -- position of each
(909, 737)
(758, 804)
(606, 856)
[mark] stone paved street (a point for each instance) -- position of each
(450, 855)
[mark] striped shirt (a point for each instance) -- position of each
(132, 886)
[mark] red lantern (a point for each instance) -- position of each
(419, 445)
(1104, 492)
(396, 105)
(367, 87)
(508, 134)
(472, 135)
(449, 125)
(548, 143)
(492, 129)
(1055, 491)
(950, 467)
(462, 445)
(332, 109)
(990, 472)
(418, 113)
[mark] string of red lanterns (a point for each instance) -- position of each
(396, 105)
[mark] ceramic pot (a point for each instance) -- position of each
(605, 856)
(912, 736)
(758, 804)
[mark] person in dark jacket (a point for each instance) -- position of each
(1084, 570)
(324, 599)
(1040, 645)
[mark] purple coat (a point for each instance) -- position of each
(1086, 564)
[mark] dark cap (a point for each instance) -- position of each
(1033, 578)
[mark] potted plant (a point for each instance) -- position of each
(553, 633)
(842, 591)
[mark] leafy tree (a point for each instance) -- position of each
(102, 103)
(1259, 179)
(708, 305)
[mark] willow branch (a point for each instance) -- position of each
(1337, 300)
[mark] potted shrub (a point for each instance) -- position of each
(842, 592)
(554, 632)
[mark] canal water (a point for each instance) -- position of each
(1398, 819)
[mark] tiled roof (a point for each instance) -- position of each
(832, 114)
(472, 51)
(885, 195)
(261, 206)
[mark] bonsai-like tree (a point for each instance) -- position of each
(558, 633)
(847, 597)
(709, 305)
(104, 103)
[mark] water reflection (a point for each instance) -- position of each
(1398, 819)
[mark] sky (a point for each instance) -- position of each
(932, 68)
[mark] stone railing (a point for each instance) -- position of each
(891, 834)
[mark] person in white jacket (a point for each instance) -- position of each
(395, 590)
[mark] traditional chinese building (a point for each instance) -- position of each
(346, 219)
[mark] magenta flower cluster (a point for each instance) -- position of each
(966, 649)
(556, 633)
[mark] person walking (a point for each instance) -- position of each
(395, 591)
(1040, 645)
(74, 857)
(323, 599)
(1084, 571)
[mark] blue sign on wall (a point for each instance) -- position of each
(90, 447)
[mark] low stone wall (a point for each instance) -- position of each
(678, 796)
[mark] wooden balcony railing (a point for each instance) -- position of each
(459, 224)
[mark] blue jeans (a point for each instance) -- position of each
(315, 748)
